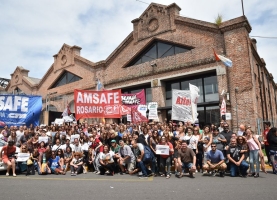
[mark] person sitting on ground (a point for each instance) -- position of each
(90, 159)
(236, 159)
(127, 158)
(76, 164)
(186, 159)
(106, 161)
(215, 161)
(68, 155)
(7, 155)
(55, 164)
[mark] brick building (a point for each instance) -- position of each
(166, 51)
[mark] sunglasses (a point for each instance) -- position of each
(213, 146)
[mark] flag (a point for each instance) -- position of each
(66, 111)
(223, 108)
(226, 61)
(99, 86)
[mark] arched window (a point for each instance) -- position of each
(158, 50)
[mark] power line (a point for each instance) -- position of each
(265, 37)
(143, 2)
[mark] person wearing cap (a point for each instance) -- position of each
(7, 155)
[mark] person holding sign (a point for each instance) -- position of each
(165, 157)
(8, 157)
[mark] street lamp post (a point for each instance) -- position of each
(236, 91)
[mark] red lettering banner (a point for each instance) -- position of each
(97, 104)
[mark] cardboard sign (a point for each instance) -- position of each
(162, 149)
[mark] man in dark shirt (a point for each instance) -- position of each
(236, 159)
(272, 141)
(226, 133)
(186, 159)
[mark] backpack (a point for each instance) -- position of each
(148, 154)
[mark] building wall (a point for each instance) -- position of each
(245, 81)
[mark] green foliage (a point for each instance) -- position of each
(218, 19)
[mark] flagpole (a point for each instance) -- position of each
(242, 7)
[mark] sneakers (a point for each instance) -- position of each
(14, 175)
(97, 173)
(143, 177)
(122, 173)
(7, 174)
(222, 174)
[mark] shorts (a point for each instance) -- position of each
(130, 166)
(186, 165)
(6, 159)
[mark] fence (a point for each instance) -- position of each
(260, 124)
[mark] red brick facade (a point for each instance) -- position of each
(250, 86)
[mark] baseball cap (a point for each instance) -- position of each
(113, 141)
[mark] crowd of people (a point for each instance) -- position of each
(146, 149)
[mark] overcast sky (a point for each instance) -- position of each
(32, 31)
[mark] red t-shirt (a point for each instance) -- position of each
(96, 144)
(265, 136)
(8, 151)
(170, 147)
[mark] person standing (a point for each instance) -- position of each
(265, 140)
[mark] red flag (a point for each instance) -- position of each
(216, 56)
(137, 117)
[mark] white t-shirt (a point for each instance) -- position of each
(103, 156)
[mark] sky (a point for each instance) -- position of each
(32, 31)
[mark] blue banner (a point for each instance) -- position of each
(18, 110)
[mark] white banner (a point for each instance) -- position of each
(22, 157)
(73, 137)
(162, 149)
(223, 108)
(43, 139)
(142, 109)
(129, 118)
(181, 105)
(194, 92)
(153, 111)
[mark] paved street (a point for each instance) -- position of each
(91, 186)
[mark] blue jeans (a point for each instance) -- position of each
(254, 159)
(167, 162)
(273, 158)
(234, 168)
(141, 165)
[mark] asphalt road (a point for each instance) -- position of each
(91, 186)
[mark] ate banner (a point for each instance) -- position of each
(18, 110)
(134, 99)
(97, 104)
(181, 105)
